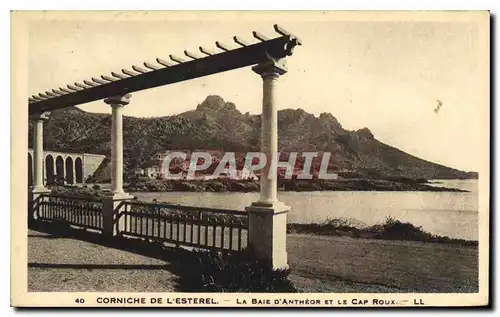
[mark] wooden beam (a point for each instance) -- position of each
(81, 85)
(58, 92)
(139, 69)
(240, 41)
(117, 75)
(176, 59)
(284, 32)
(37, 98)
(190, 55)
(281, 30)
(228, 60)
(150, 66)
(259, 36)
(164, 62)
(110, 79)
(99, 81)
(129, 72)
(89, 83)
(44, 96)
(222, 46)
(75, 88)
(206, 51)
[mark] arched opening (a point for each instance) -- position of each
(30, 170)
(79, 170)
(59, 170)
(69, 171)
(49, 170)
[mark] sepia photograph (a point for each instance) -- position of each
(244, 158)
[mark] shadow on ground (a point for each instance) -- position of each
(182, 263)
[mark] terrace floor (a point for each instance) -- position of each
(319, 263)
(68, 265)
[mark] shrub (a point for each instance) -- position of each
(233, 272)
(391, 229)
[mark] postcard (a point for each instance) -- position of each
(250, 159)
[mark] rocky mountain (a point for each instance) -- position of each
(218, 125)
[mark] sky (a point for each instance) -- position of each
(382, 71)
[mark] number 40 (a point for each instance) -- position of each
(80, 301)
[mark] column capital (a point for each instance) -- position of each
(41, 116)
(271, 68)
(118, 101)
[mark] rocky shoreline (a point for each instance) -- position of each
(286, 185)
(391, 229)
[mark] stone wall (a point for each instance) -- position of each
(91, 163)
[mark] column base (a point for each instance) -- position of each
(118, 196)
(39, 190)
(274, 207)
(34, 194)
(267, 232)
(113, 224)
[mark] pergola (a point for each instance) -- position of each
(267, 223)
(168, 71)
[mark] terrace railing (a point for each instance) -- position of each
(204, 228)
(78, 211)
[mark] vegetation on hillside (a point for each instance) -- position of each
(218, 125)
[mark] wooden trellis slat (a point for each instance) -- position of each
(150, 66)
(164, 62)
(110, 79)
(59, 92)
(129, 72)
(37, 98)
(259, 36)
(176, 59)
(75, 88)
(81, 85)
(222, 46)
(240, 41)
(99, 81)
(206, 51)
(151, 76)
(190, 55)
(89, 83)
(139, 69)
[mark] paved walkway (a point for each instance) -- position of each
(319, 263)
(69, 265)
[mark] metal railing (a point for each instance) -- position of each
(77, 211)
(199, 227)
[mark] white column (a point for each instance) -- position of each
(117, 103)
(267, 217)
(38, 151)
(112, 222)
(35, 192)
(269, 137)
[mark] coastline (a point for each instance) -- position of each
(391, 229)
(244, 186)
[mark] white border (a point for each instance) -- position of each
(212, 5)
